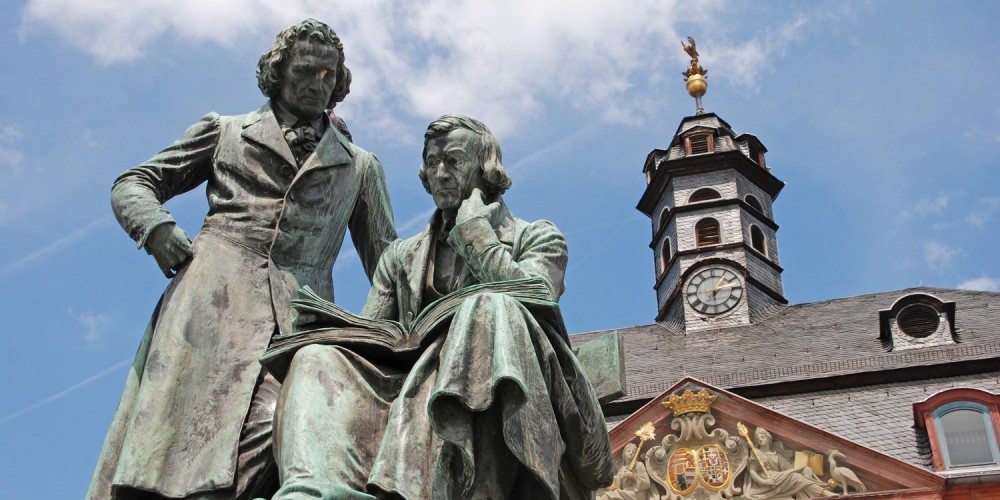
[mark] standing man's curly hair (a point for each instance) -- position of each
(272, 62)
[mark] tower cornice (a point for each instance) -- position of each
(697, 164)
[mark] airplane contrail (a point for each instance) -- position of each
(83, 383)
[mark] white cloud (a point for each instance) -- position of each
(497, 61)
(983, 211)
(95, 325)
(743, 63)
(938, 256)
(983, 283)
(927, 206)
(120, 30)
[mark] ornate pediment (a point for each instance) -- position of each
(698, 442)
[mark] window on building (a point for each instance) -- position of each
(707, 232)
(757, 240)
(754, 202)
(962, 428)
(696, 144)
(663, 221)
(757, 155)
(664, 254)
(918, 320)
(704, 194)
(966, 435)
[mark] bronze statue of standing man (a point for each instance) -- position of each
(283, 185)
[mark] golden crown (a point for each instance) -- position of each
(690, 402)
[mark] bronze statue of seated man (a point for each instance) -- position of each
(495, 404)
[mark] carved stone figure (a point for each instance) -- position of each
(632, 481)
(495, 406)
(781, 479)
(283, 185)
(843, 476)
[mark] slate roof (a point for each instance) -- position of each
(879, 416)
(822, 363)
(801, 343)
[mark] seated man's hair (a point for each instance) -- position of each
(496, 179)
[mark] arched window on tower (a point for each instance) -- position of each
(757, 240)
(664, 219)
(754, 202)
(707, 232)
(664, 254)
(704, 194)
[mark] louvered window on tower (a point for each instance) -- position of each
(707, 232)
(699, 144)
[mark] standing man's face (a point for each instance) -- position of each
(453, 168)
(308, 79)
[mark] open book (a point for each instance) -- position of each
(384, 339)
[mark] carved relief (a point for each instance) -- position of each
(844, 478)
(773, 474)
(697, 462)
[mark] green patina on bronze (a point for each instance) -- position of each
(195, 415)
(496, 406)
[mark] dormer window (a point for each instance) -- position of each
(704, 194)
(961, 426)
(758, 156)
(917, 320)
(752, 148)
(707, 232)
(965, 434)
(701, 143)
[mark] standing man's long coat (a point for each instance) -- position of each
(271, 228)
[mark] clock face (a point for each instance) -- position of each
(714, 290)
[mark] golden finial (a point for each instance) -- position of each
(690, 402)
(695, 75)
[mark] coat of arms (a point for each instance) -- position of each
(696, 458)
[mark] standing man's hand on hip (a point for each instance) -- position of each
(171, 248)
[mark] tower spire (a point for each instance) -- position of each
(697, 84)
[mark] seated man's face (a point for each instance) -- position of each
(308, 79)
(453, 168)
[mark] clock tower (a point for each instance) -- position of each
(709, 196)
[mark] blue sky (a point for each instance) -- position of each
(882, 118)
